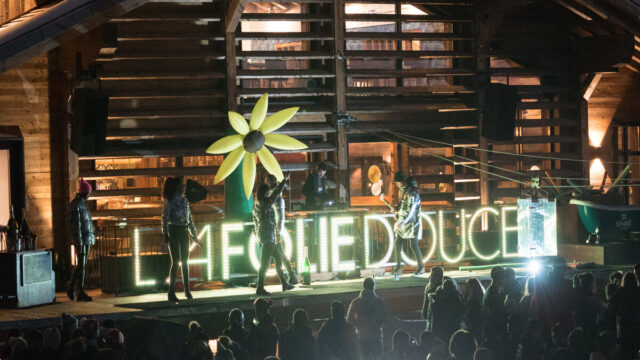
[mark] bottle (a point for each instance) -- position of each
(13, 234)
(25, 232)
(306, 268)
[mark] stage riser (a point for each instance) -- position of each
(608, 254)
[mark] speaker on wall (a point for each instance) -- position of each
(500, 107)
(89, 123)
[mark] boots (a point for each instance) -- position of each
(260, 291)
(71, 289)
(82, 296)
(187, 293)
(287, 286)
(172, 296)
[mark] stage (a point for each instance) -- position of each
(403, 297)
(221, 300)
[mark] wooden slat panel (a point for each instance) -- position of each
(421, 18)
(538, 140)
(156, 192)
(423, 54)
(286, 17)
(356, 35)
(283, 36)
(409, 72)
(280, 74)
(283, 55)
(433, 90)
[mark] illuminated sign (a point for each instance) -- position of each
(531, 233)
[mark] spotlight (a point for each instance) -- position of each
(534, 267)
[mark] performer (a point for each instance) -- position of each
(177, 225)
(264, 219)
(83, 237)
(315, 189)
(280, 217)
(408, 224)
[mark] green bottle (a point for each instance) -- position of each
(306, 269)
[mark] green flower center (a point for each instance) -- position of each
(253, 141)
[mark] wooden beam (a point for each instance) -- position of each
(31, 35)
(589, 85)
(230, 54)
(234, 13)
(608, 13)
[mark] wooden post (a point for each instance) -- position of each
(338, 52)
(230, 56)
(342, 143)
(481, 71)
(584, 137)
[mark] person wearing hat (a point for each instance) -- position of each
(408, 224)
(83, 236)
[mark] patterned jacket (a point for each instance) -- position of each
(80, 222)
(409, 213)
(177, 212)
(264, 216)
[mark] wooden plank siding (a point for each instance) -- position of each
(24, 102)
(10, 9)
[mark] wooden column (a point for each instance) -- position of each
(230, 56)
(342, 144)
(481, 44)
(62, 188)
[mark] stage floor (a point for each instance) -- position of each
(105, 306)
(400, 295)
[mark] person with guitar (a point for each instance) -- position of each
(408, 225)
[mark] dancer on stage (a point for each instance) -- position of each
(177, 225)
(408, 224)
(280, 217)
(264, 219)
(83, 237)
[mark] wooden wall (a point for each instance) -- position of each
(614, 100)
(10, 9)
(24, 101)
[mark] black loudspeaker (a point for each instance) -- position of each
(195, 192)
(89, 125)
(500, 107)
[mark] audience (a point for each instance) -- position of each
(549, 320)
(298, 341)
(367, 313)
(337, 339)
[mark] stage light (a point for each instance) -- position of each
(367, 241)
(534, 267)
(434, 236)
(324, 246)
(337, 241)
(470, 234)
(441, 240)
(228, 250)
(136, 261)
(505, 228)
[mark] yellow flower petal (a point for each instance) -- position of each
(275, 121)
(283, 142)
(270, 163)
(229, 164)
(259, 112)
(238, 123)
(225, 145)
(248, 173)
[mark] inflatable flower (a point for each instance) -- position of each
(250, 142)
